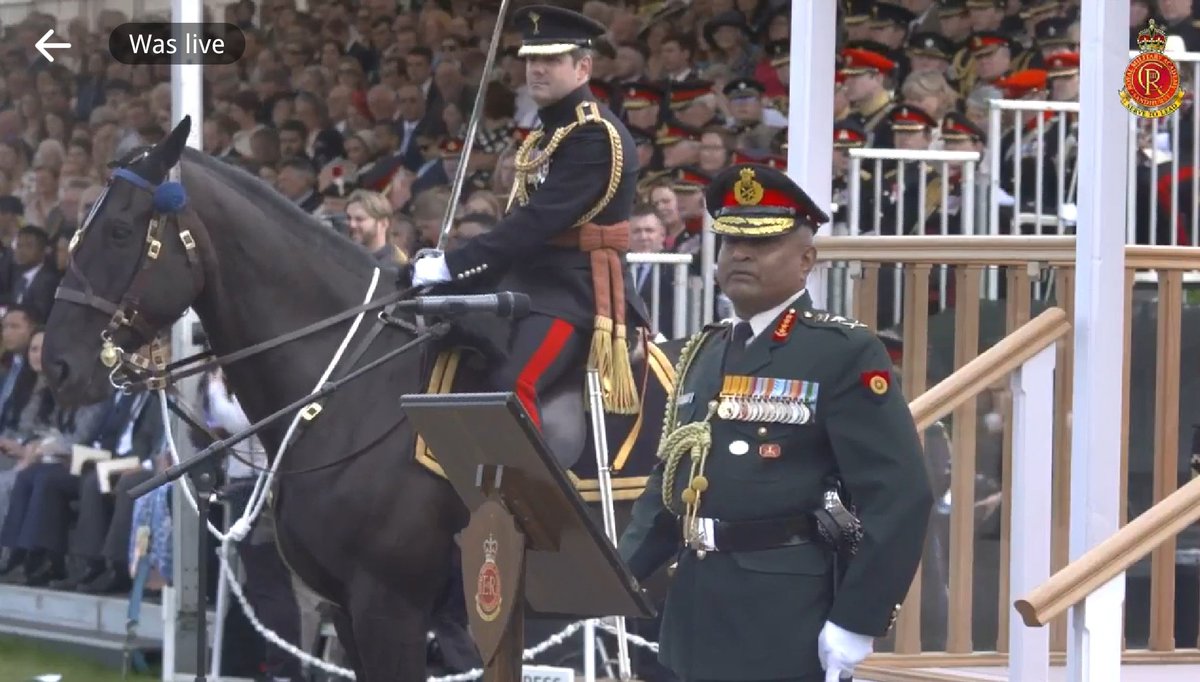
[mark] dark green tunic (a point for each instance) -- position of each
(756, 615)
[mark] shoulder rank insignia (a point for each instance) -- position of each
(830, 318)
(877, 382)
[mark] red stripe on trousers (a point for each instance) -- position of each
(527, 380)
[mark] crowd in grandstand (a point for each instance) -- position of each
(356, 111)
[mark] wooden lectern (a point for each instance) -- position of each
(530, 539)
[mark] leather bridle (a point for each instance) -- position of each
(130, 371)
(126, 314)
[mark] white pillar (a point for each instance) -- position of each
(1094, 646)
(810, 114)
(1032, 474)
(187, 99)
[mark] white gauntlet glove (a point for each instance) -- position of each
(430, 269)
(840, 650)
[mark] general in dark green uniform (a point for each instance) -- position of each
(758, 434)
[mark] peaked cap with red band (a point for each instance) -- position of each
(983, 42)
(1020, 83)
(1062, 64)
(849, 133)
(683, 94)
(640, 96)
(742, 156)
(906, 117)
(691, 179)
(674, 131)
(856, 61)
(751, 200)
(957, 127)
(603, 90)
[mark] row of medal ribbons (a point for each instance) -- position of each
(767, 399)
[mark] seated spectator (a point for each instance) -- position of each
(298, 182)
(40, 510)
(428, 212)
(19, 379)
(468, 227)
(42, 438)
(483, 201)
(32, 282)
(370, 217)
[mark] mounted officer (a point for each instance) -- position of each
(567, 228)
(784, 424)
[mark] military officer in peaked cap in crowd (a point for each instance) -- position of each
(791, 490)
(849, 134)
(568, 225)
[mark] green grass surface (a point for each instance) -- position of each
(21, 660)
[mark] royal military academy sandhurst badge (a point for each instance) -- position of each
(1152, 82)
(487, 588)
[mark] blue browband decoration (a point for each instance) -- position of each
(169, 197)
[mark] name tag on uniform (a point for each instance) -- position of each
(685, 399)
(766, 399)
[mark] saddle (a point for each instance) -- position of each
(566, 421)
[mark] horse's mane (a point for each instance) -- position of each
(294, 219)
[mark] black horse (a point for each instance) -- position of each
(370, 529)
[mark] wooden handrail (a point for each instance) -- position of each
(1005, 356)
(953, 249)
(1108, 559)
(989, 250)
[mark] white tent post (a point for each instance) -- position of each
(187, 99)
(810, 115)
(1094, 643)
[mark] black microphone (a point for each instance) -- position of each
(502, 304)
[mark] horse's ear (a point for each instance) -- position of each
(170, 149)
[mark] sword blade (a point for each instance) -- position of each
(460, 174)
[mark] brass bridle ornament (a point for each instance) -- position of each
(126, 314)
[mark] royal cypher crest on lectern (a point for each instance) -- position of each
(530, 540)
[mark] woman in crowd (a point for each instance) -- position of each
(42, 439)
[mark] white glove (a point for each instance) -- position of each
(840, 650)
(430, 269)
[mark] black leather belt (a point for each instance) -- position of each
(750, 536)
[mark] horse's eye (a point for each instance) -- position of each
(122, 232)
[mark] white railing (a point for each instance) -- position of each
(945, 161)
(680, 280)
(999, 195)
(1032, 474)
(1153, 145)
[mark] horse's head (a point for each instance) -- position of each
(133, 270)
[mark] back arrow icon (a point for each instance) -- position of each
(43, 46)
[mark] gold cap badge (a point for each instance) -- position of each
(747, 190)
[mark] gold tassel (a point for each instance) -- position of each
(624, 389)
(601, 356)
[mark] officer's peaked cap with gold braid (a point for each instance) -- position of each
(547, 30)
(753, 200)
